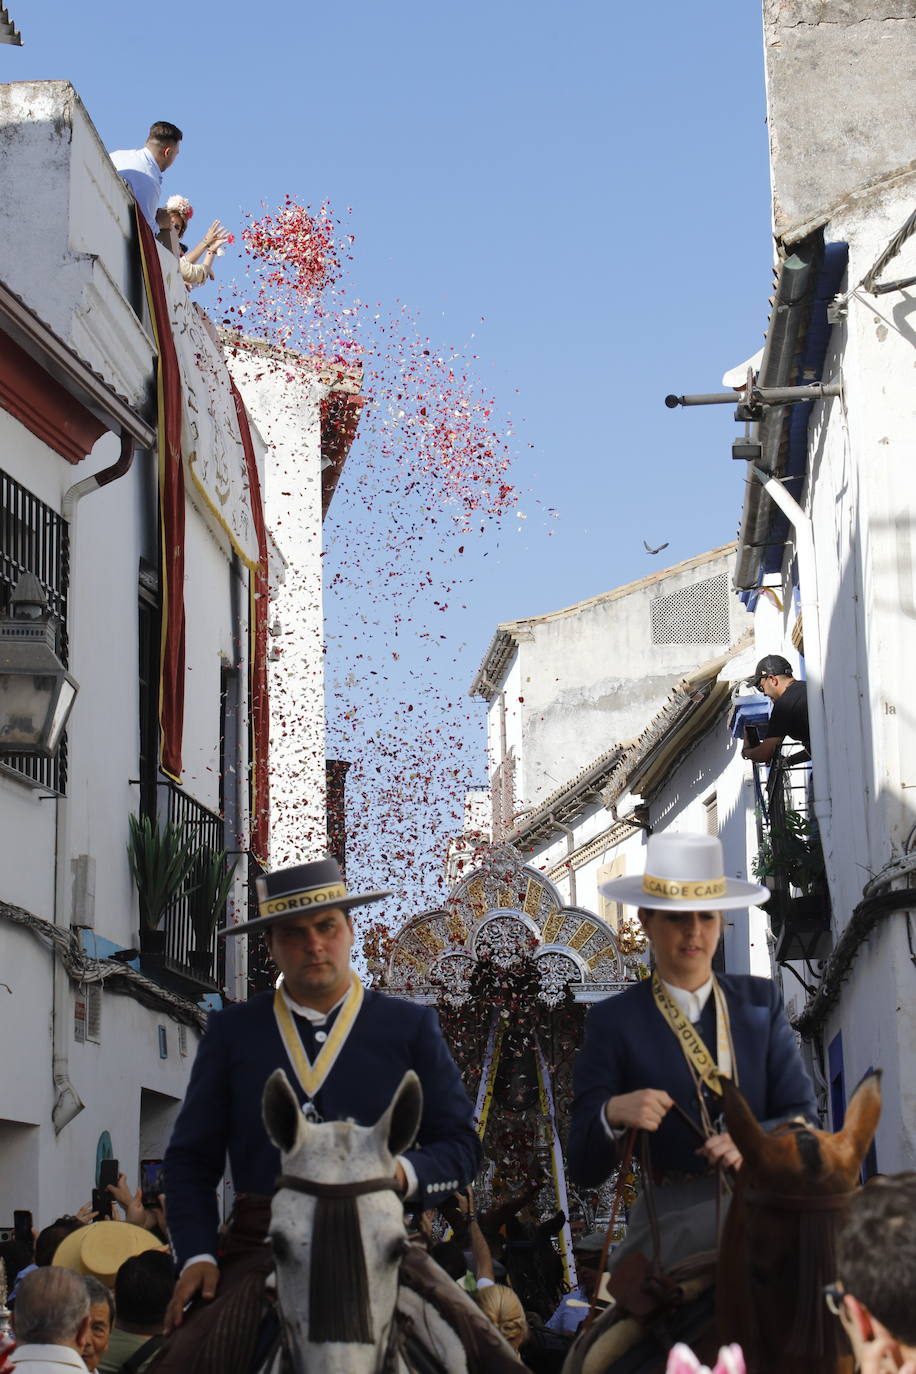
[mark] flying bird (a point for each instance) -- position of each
(648, 548)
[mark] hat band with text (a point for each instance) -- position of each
(292, 901)
(667, 887)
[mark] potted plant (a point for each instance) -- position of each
(790, 853)
(160, 858)
(212, 874)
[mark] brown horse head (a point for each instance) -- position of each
(778, 1246)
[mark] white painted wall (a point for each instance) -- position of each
(64, 236)
(590, 676)
(283, 395)
(862, 500)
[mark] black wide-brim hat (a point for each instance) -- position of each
(298, 891)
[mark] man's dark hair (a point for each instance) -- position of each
(876, 1252)
(49, 1239)
(143, 1289)
(162, 133)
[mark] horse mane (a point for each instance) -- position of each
(815, 1332)
(338, 1282)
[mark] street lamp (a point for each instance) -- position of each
(36, 691)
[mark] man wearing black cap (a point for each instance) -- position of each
(345, 1051)
(773, 677)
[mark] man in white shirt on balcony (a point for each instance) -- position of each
(142, 168)
(51, 1322)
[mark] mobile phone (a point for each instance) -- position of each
(22, 1226)
(150, 1181)
(101, 1204)
(109, 1172)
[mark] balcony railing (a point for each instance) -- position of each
(799, 909)
(203, 967)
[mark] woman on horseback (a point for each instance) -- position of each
(653, 1054)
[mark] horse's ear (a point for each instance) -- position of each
(281, 1112)
(399, 1125)
(743, 1126)
(862, 1115)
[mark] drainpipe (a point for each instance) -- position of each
(67, 1101)
(570, 846)
(814, 655)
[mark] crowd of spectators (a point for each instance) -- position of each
(92, 1295)
(89, 1294)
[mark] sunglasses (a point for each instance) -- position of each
(834, 1293)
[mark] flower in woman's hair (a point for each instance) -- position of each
(180, 205)
(683, 1361)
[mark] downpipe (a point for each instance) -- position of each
(67, 1101)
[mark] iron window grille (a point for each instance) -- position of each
(35, 539)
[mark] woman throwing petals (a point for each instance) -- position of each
(195, 264)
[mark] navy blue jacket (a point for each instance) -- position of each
(221, 1113)
(629, 1045)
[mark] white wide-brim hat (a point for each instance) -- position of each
(684, 872)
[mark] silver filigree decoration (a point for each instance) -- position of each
(556, 971)
(504, 939)
(453, 975)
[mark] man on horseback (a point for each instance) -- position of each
(653, 1054)
(345, 1050)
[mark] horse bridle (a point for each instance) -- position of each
(356, 1188)
(336, 1191)
(793, 1202)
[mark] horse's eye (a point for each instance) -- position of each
(397, 1249)
(280, 1246)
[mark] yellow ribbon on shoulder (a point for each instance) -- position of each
(691, 1042)
(311, 1076)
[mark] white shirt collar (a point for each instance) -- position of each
(690, 1003)
(47, 1354)
(317, 1018)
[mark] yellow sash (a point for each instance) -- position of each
(691, 1042)
(311, 1076)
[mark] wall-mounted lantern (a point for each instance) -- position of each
(36, 691)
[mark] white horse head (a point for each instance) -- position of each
(338, 1244)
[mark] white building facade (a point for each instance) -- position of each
(837, 564)
(100, 1030)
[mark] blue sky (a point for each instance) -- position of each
(578, 195)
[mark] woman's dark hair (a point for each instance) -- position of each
(876, 1252)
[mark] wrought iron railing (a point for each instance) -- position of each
(799, 909)
(35, 539)
(206, 829)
